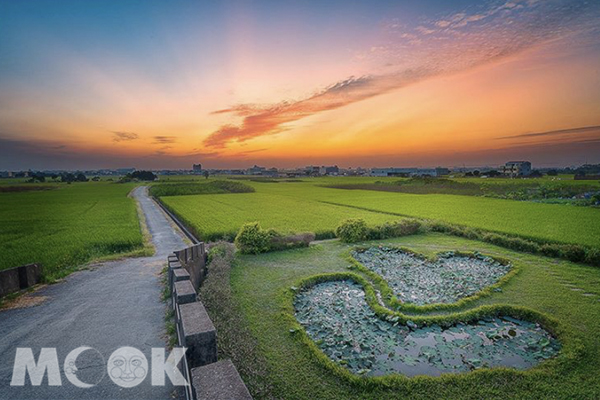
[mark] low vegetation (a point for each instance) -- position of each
(235, 340)
(208, 187)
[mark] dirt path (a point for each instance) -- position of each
(113, 304)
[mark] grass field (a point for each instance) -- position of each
(68, 226)
(216, 216)
(259, 284)
(583, 193)
(307, 205)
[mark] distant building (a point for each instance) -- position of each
(516, 168)
(441, 171)
(332, 170)
(256, 170)
(125, 171)
(197, 168)
(403, 172)
(273, 172)
(314, 170)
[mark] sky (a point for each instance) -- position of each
(164, 84)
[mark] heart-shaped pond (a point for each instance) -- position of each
(337, 317)
(420, 281)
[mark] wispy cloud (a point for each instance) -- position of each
(445, 45)
(164, 139)
(569, 131)
(120, 136)
(259, 121)
(248, 152)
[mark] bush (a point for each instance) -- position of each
(352, 230)
(593, 257)
(573, 252)
(388, 230)
(252, 239)
(550, 250)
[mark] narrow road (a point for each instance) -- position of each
(111, 305)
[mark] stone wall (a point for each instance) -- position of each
(209, 377)
(19, 278)
(193, 260)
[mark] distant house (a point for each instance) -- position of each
(516, 168)
(197, 168)
(312, 170)
(255, 170)
(273, 172)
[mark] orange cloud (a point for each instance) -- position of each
(442, 47)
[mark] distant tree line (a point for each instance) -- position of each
(139, 175)
(66, 177)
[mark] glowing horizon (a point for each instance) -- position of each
(106, 85)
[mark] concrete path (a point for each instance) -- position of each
(113, 304)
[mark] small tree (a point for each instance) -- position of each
(81, 178)
(252, 239)
(206, 174)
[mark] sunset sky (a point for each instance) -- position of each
(164, 84)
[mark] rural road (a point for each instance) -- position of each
(111, 305)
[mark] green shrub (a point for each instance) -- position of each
(352, 230)
(388, 230)
(550, 250)
(252, 239)
(592, 257)
(573, 252)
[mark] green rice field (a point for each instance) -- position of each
(67, 226)
(308, 206)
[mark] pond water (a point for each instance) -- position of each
(337, 317)
(420, 281)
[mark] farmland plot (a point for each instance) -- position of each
(68, 226)
(221, 215)
(306, 205)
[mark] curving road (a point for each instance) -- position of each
(113, 304)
